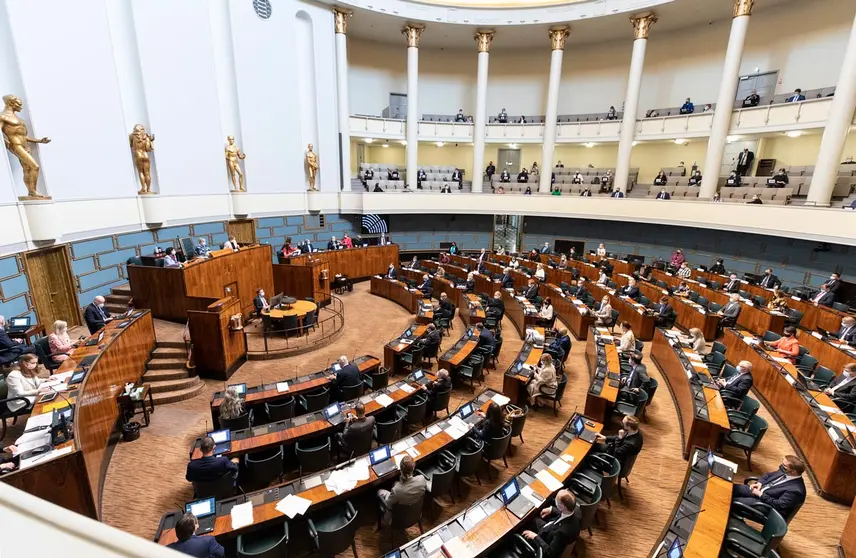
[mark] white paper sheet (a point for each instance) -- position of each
(384, 400)
(530, 495)
(560, 467)
(408, 388)
(548, 480)
(41, 435)
(242, 515)
(432, 543)
(568, 457)
(413, 452)
(35, 421)
(843, 426)
(399, 458)
(830, 410)
(500, 399)
(282, 387)
(398, 447)
(292, 506)
(434, 429)
(312, 482)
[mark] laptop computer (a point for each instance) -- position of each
(18, 325)
(381, 461)
(222, 441)
(204, 511)
(521, 371)
(334, 415)
(241, 390)
(407, 333)
(96, 340)
(578, 427)
(823, 334)
(77, 377)
(468, 414)
(710, 464)
(420, 378)
(518, 506)
(469, 332)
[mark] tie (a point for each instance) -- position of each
(732, 379)
(100, 311)
(777, 481)
(843, 336)
(630, 378)
(817, 296)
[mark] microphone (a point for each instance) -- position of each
(702, 480)
(64, 398)
(687, 516)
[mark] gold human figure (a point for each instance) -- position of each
(233, 153)
(141, 144)
(312, 167)
(17, 141)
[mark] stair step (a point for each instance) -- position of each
(166, 364)
(169, 352)
(116, 308)
(162, 375)
(170, 345)
(162, 386)
(180, 395)
(122, 290)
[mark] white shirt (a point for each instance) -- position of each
(539, 273)
(684, 272)
(547, 312)
(21, 386)
(844, 382)
(628, 342)
(601, 251)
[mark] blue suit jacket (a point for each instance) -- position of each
(209, 468)
(200, 547)
(392, 273)
(786, 497)
(617, 194)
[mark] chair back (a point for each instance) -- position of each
(613, 317)
(431, 350)
(477, 362)
(807, 362)
(334, 537)
(281, 410)
(346, 393)
(728, 371)
(719, 347)
(757, 429)
(379, 379)
(360, 443)
(416, 410)
(627, 465)
(407, 515)
(759, 300)
(263, 467)
(823, 376)
(441, 400)
(315, 400)
(469, 460)
(841, 307)
(609, 468)
(651, 389)
(237, 423)
(497, 447)
(717, 361)
(774, 530)
(43, 351)
(702, 301)
(221, 488)
(416, 355)
(290, 323)
(167, 521)
(750, 406)
(518, 421)
(795, 317)
(442, 480)
(769, 336)
(310, 319)
(312, 455)
(264, 543)
(587, 504)
(388, 432)
(692, 295)
(560, 390)
(714, 307)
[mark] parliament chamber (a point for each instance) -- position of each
(482, 278)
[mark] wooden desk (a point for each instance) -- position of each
(74, 480)
(618, 266)
(171, 292)
(460, 351)
(300, 308)
(832, 469)
(356, 263)
(702, 413)
(572, 310)
(393, 350)
(268, 393)
(521, 312)
(397, 292)
(514, 384)
(601, 396)
(708, 530)
(470, 308)
(640, 319)
(267, 513)
(35, 330)
(832, 354)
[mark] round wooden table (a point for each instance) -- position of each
(300, 308)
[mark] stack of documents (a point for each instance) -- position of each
(433, 430)
(292, 506)
(457, 428)
(500, 399)
(384, 400)
(548, 480)
(242, 515)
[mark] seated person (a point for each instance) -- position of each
(611, 114)
(495, 305)
(546, 313)
(190, 544)
(752, 100)
(407, 490)
(563, 262)
(59, 342)
(347, 242)
(490, 170)
(531, 290)
(824, 297)
(731, 311)
(586, 192)
(627, 342)
(577, 179)
(231, 244)
(460, 116)
(171, 259)
(637, 378)
(778, 301)
(630, 290)
(559, 165)
(95, 315)
(847, 332)
(682, 289)
(528, 191)
(782, 489)
(499, 190)
(735, 388)
(504, 176)
(522, 120)
(523, 176)
(561, 342)
(787, 346)
(447, 309)
(684, 271)
(368, 175)
(307, 248)
(842, 386)
(457, 176)
(445, 189)
(24, 382)
(377, 187)
(202, 249)
(288, 249)
(420, 176)
(544, 380)
(733, 180)
(333, 244)
(627, 443)
(796, 97)
(780, 180)
(232, 406)
(502, 117)
(556, 527)
(487, 339)
(210, 467)
(534, 168)
(687, 107)
(392, 174)
(663, 310)
(356, 426)
(616, 193)
(426, 286)
(664, 195)
(696, 342)
(695, 179)
(471, 282)
(260, 302)
(661, 179)
(718, 267)
(442, 383)
(433, 336)
(603, 313)
(494, 424)
(756, 200)
(540, 273)
(347, 375)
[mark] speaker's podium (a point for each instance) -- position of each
(305, 277)
(219, 344)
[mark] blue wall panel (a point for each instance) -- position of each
(9, 266)
(15, 286)
(170, 233)
(134, 239)
(14, 307)
(209, 228)
(89, 247)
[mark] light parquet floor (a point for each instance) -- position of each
(146, 477)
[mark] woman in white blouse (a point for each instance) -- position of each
(514, 264)
(601, 250)
(602, 279)
(696, 341)
(24, 382)
(628, 340)
(603, 315)
(543, 380)
(540, 274)
(546, 313)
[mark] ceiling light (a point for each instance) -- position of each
(590, 144)
(732, 139)
(635, 143)
(404, 142)
(680, 141)
(512, 145)
(794, 134)
(385, 145)
(368, 140)
(439, 144)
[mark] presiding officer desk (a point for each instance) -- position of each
(572, 310)
(422, 446)
(487, 523)
(351, 262)
(702, 413)
(74, 480)
(517, 376)
(605, 371)
(283, 389)
(812, 421)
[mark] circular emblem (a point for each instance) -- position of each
(263, 8)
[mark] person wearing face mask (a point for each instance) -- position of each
(782, 489)
(843, 387)
(847, 333)
(718, 267)
(556, 527)
(392, 273)
(96, 315)
(787, 345)
(202, 249)
(11, 349)
(260, 302)
(735, 388)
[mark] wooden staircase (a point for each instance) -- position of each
(167, 374)
(117, 301)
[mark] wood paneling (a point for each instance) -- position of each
(827, 354)
(628, 311)
(244, 230)
(397, 292)
(52, 286)
(599, 401)
(217, 349)
(356, 263)
(297, 280)
(572, 311)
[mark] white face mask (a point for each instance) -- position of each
(846, 374)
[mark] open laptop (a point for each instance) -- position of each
(334, 415)
(95, 340)
(710, 464)
(240, 389)
(77, 377)
(518, 506)
(521, 370)
(468, 414)
(420, 378)
(204, 511)
(469, 332)
(407, 333)
(578, 427)
(18, 325)
(381, 461)
(222, 441)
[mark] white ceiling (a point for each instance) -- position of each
(676, 15)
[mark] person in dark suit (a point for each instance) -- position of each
(356, 427)
(11, 349)
(638, 375)
(688, 107)
(782, 489)
(847, 332)
(695, 179)
(627, 443)
(581, 288)
(825, 297)
(733, 284)
(487, 339)
(844, 386)
(796, 97)
(442, 383)
(392, 273)
(426, 286)
(494, 424)
(434, 336)
(661, 178)
(504, 176)
(496, 306)
(202, 249)
(490, 171)
(333, 244)
(546, 249)
(780, 180)
(306, 247)
(471, 282)
(458, 177)
(733, 180)
(188, 543)
(523, 176)
(210, 467)
(507, 281)
(447, 309)
(744, 162)
(630, 290)
(731, 311)
(562, 341)
(347, 375)
(752, 100)
(368, 175)
(531, 290)
(260, 302)
(95, 315)
(834, 283)
(556, 527)
(616, 193)
(735, 388)
(718, 267)
(664, 195)
(664, 311)
(768, 281)
(392, 174)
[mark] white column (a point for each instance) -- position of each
(837, 128)
(483, 38)
(557, 37)
(725, 101)
(341, 20)
(412, 32)
(641, 26)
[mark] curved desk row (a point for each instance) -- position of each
(640, 318)
(812, 421)
(605, 371)
(401, 345)
(461, 350)
(522, 313)
(399, 293)
(830, 353)
(701, 411)
(470, 308)
(517, 376)
(572, 310)
(75, 480)
(426, 443)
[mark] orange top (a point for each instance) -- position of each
(788, 346)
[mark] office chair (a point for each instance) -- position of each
(497, 448)
(748, 440)
(334, 531)
(264, 466)
(403, 515)
(378, 380)
(268, 542)
(557, 397)
(281, 410)
(743, 540)
(313, 455)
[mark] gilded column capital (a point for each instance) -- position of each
(484, 38)
(341, 20)
(558, 36)
(642, 25)
(743, 7)
(412, 31)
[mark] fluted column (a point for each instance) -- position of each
(341, 19)
(641, 27)
(725, 101)
(837, 127)
(412, 32)
(483, 39)
(557, 38)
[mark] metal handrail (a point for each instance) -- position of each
(331, 325)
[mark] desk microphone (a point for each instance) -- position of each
(702, 480)
(687, 515)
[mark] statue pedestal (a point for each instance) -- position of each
(43, 219)
(240, 203)
(155, 208)
(314, 201)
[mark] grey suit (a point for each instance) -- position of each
(404, 493)
(637, 377)
(730, 313)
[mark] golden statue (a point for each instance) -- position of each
(312, 167)
(233, 153)
(16, 139)
(141, 144)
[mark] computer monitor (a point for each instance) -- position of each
(510, 491)
(408, 333)
(241, 389)
(77, 377)
(379, 455)
(276, 300)
(675, 550)
(469, 332)
(201, 508)
(220, 436)
(331, 411)
(578, 425)
(466, 410)
(519, 366)
(21, 322)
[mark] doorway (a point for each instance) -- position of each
(764, 84)
(506, 231)
(732, 151)
(508, 159)
(52, 286)
(244, 230)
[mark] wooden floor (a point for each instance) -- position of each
(146, 477)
